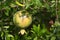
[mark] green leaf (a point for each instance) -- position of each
(43, 31)
(2, 34)
(35, 38)
(11, 36)
(6, 27)
(53, 38)
(7, 10)
(13, 5)
(36, 29)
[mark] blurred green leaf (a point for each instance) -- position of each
(53, 38)
(6, 27)
(36, 29)
(35, 38)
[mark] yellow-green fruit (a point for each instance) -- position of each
(22, 19)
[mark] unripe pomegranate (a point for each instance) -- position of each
(22, 19)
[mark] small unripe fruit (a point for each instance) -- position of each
(22, 19)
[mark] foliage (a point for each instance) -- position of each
(42, 12)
